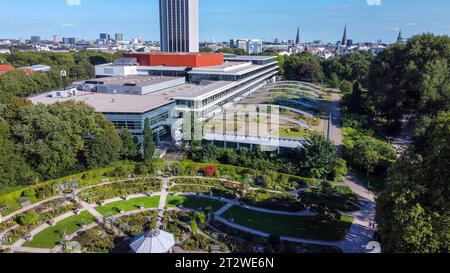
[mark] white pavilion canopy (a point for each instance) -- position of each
(154, 241)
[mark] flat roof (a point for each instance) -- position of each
(120, 103)
(109, 103)
(195, 90)
(139, 81)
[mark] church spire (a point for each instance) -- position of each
(344, 38)
(400, 38)
(297, 39)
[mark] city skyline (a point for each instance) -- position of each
(366, 20)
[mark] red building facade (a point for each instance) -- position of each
(177, 59)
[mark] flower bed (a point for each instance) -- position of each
(139, 185)
(43, 214)
(136, 224)
(268, 179)
(96, 240)
(274, 201)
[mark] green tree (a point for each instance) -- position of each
(318, 156)
(130, 146)
(149, 145)
(206, 50)
(13, 168)
(413, 209)
(104, 147)
(370, 153)
(303, 67)
(411, 79)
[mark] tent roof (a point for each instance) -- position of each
(154, 241)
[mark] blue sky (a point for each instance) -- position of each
(367, 20)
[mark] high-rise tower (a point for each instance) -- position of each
(179, 23)
(297, 39)
(344, 38)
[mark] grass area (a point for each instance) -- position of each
(51, 236)
(129, 205)
(192, 202)
(314, 228)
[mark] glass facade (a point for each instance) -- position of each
(134, 122)
(230, 94)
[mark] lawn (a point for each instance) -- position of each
(192, 202)
(313, 228)
(51, 236)
(129, 205)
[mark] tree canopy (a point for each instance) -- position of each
(413, 211)
(62, 138)
(411, 79)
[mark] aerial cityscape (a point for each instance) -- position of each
(173, 142)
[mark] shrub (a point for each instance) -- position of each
(210, 170)
(30, 218)
(340, 170)
(29, 192)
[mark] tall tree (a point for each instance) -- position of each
(149, 145)
(411, 79)
(130, 145)
(13, 168)
(103, 148)
(318, 156)
(413, 211)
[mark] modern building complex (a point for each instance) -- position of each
(179, 22)
(165, 87)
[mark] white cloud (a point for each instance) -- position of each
(374, 2)
(412, 24)
(73, 2)
(68, 25)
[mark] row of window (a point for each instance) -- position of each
(221, 77)
(137, 125)
(216, 97)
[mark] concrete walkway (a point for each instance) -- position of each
(362, 230)
(32, 206)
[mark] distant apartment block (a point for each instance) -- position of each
(35, 39)
(253, 46)
(118, 37)
(69, 40)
